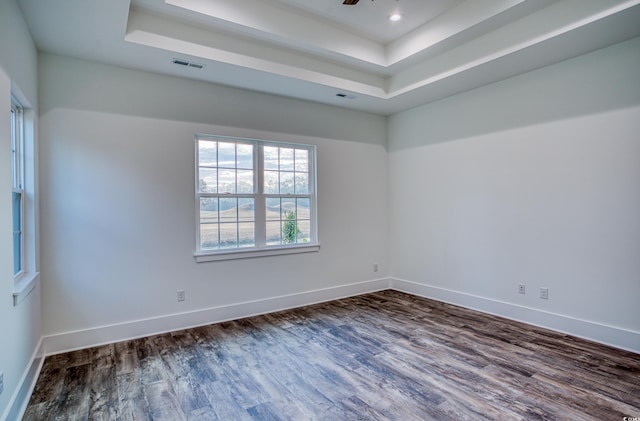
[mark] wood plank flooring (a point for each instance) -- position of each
(380, 356)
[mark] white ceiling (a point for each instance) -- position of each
(370, 18)
(315, 49)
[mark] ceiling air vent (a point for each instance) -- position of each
(345, 96)
(187, 64)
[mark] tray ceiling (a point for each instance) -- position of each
(324, 51)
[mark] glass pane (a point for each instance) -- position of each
(302, 160)
(286, 183)
(273, 233)
(208, 180)
(228, 235)
(228, 209)
(271, 182)
(226, 181)
(286, 159)
(290, 228)
(273, 208)
(270, 158)
(302, 183)
(207, 153)
(246, 211)
(303, 209)
(247, 236)
(288, 205)
(226, 155)
(208, 210)
(245, 181)
(17, 253)
(17, 210)
(17, 232)
(245, 156)
(209, 236)
(304, 232)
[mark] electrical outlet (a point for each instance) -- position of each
(180, 295)
(375, 267)
(544, 293)
(521, 289)
(1, 382)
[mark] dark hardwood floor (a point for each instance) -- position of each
(378, 356)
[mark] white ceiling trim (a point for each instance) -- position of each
(446, 26)
(158, 32)
(467, 44)
(534, 29)
(282, 25)
(510, 32)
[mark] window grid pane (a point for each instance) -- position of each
(208, 180)
(271, 182)
(208, 153)
(274, 233)
(17, 232)
(244, 157)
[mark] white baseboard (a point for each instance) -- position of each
(69, 341)
(20, 398)
(609, 335)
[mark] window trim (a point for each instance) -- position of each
(17, 176)
(261, 249)
(28, 278)
(253, 252)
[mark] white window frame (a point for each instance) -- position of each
(260, 249)
(17, 177)
(24, 181)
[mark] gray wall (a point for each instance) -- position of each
(117, 164)
(532, 180)
(20, 324)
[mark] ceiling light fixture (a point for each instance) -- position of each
(395, 17)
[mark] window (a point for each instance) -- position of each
(254, 196)
(17, 175)
(23, 198)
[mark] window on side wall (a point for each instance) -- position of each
(254, 198)
(23, 199)
(18, 195)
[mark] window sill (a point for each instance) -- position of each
(247, 254)
(23, 286)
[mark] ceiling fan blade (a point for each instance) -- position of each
(350, 2)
